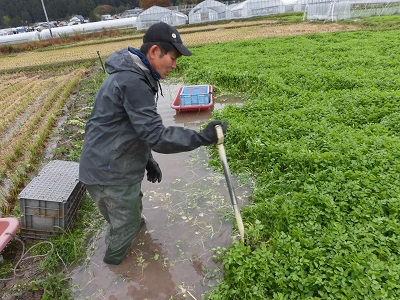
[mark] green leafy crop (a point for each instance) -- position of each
(320, 131)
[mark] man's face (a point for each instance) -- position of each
(166, 63)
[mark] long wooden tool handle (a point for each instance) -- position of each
(224, 161)
(239, 222)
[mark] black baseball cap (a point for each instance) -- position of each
(162, 32)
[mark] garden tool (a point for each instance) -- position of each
(222, 155)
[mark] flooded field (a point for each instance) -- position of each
(187, 215)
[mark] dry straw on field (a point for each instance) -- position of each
(192, 36)
(29, 106)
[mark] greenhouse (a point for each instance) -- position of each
(88, 27)
(335, 10)
(253, 8)
(209, 11)
(157, 14)
(300, 5)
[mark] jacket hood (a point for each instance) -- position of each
(120, 61)
(129, 60)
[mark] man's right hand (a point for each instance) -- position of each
(210, 134)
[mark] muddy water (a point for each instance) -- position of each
(187, 215)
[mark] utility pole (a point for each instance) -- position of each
(47, 19)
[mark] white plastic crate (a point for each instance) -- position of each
(49, 203)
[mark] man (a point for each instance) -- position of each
(123, 129)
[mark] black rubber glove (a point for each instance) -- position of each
(153, 171)
(210, 134)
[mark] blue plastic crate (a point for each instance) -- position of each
(186, 100)
(195, 95)
(204, 99)
(195, 90)
(192, 98)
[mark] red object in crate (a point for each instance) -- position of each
(193, 98)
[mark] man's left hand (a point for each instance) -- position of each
(153, 171)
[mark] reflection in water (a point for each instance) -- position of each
(187, 215)
(192, 119)
(222, 100)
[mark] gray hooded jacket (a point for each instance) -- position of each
(124, 126)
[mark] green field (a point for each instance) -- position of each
(319, 133)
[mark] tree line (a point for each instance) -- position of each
(14, 13)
